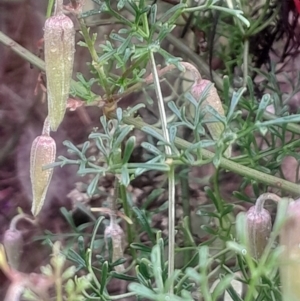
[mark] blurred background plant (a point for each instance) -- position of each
(153, 215)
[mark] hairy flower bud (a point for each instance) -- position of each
(14, 292)
(59, 39)
(215, 128)
(290, 262)
(43, 152)
(259, 227)
(115, 232)
(13, 245)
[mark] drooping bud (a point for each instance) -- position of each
(59, 39)
(43, 152)
(215, 128)
(116, 234)
(13, 244)
(259, 227)
(290, 262)
(259, 224)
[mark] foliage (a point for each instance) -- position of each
(222, 255)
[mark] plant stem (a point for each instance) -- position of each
(98, 67)
(127, 211)
(245, 62)
(259, 204)
(22, 52)
(49, 8)
(171, 173)
(17, 218)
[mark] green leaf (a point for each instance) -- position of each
(122, 276)
(140, 247)
(233, 294)
(223, 284)
(173, 10)
(142, 291)
(125, 179)
(129, 147)
(124, 131)
(152, 15)
(81, 246)
(68, 217)
(236, 97)
(151, 131)
(173, 132)
(142, 219)
(214, 198)
(151, 148)
(104, 273)
(172, 106)
(265, 101)
(145, 268)
(93, 185)
(157, 270)
(279, 121)
(75, 257)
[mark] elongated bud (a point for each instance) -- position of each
(290, 262)
(259, 227)
(215, 128)
(13, 245)
(43, 152)
(59, 39)
(115, 232)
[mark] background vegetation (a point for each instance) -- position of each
(153, 165)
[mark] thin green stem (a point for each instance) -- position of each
(258, 21)
(265, 24)
(49, 8)
(127, 211)
(58, 287)
(122, 296)
(245, 62)
(98, 67)
(171, 173)
(185, 199)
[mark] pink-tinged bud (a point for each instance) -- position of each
(215, 128)
(259, 227)
(115, 232)
(59, 39)
(14, 292)
(290, 257)
(43, 152)
(13, 245)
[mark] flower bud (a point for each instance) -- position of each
(259, 227)
(115, 232)
(59, 39)
(215, 128)
(290, 257)
(13, 244)
(14, 292)
(43, 152)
